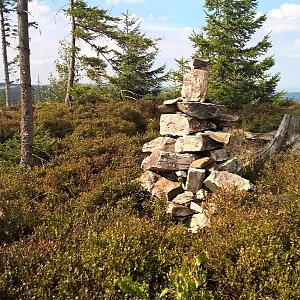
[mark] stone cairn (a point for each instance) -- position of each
(188, 161)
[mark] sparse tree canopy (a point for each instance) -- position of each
(7, 30)
(238, 70)
(89, 24)
(133, 61)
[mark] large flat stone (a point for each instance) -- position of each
(168, 162)
(202, 162)
(159, 186)
(184, 198)
(219, 136)
(181, 124)
(195, 143)
(194, 86)
(199, 110)
(161, 143)
(195, 180)
(223, 179)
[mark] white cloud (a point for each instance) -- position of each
(286, 10)
(286, 18)
(297, 43)
(112, 2)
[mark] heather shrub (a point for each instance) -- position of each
(265, 117)
(80, 227)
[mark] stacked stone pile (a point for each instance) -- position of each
(189, 159)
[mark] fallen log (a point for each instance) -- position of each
(286, 137)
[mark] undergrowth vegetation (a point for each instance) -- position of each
(77, 226)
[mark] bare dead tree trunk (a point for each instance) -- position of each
(71, 75)
(4, 56)
(25, 82)
(287, 136)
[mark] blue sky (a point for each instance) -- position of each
(173, 21)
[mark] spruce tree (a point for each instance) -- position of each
(7, 30)
(176, 76)
(133, 61)
(88, 24)
(238, 69)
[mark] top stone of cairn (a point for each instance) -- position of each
(195, 82)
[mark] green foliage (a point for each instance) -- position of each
(265, 117)
(176, 76)
(92, 24)
(133, 63)
(86, 93)
(80, 227)
(238, 72)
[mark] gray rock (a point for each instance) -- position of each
(199, 110)
(184, 198)
(181, 124)
(160, 143)
(201, 194)
(226, 180)
(195, 180)
(168, 109)
(199, 221)
(194, 86)
(202, 162)
(221, 137)
(177, 210)
(224, 120)
(196, 207)
(168, 162)
(233, 165)
(195, 143)
(200, 63)
(219, 154)
(159, 186)
(182, 174)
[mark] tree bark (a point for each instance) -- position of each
(25, 83)
(4, 56)
(287, 136)
(71, 71)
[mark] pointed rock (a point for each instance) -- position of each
(168, 162)
(202, 162)
(161, 143)
(194, 86)
(226, 180)
(181, 124)
(221, 137)
(199, 110)
(195, 180)
(159, 186)
(195, 143)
